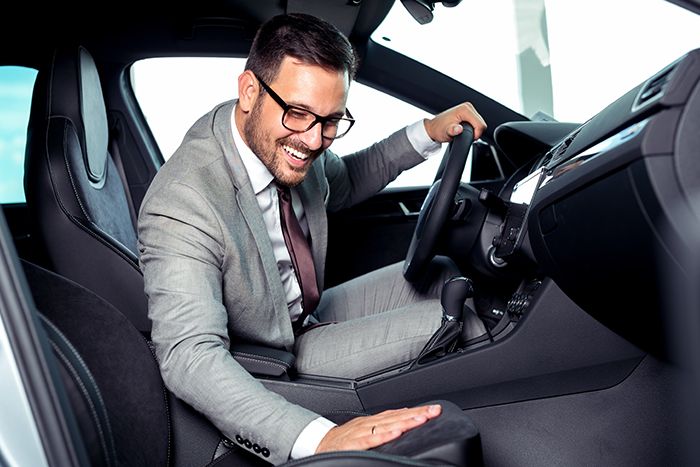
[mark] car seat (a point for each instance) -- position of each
(75, 195)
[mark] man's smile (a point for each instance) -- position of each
(297, 157)
(295, 153)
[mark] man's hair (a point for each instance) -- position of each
(307, 38)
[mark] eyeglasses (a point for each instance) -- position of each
(302, 120)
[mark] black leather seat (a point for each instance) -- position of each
(75, 194)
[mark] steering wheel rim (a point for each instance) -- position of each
(436, 207)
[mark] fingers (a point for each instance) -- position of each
(446, 125)
(454, 130)
(421, 413)
(469, 114)
(364, 433)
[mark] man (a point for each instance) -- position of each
(217, 265)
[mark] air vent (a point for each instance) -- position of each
(654, 88)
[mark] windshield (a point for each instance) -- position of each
(547, 58)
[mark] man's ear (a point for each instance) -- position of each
(248, 90)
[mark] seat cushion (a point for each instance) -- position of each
(120, 361)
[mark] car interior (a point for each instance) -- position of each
(578, 241)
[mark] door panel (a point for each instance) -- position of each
(372, 234)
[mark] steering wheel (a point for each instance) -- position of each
(436, 207)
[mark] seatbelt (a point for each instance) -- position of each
(116, 157)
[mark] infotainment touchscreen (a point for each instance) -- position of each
(525, 189)
(511, 234)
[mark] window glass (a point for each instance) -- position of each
(174, 92)
(16, 85)
(546, 58)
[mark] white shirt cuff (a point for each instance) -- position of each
(310, 437)
(421, 142)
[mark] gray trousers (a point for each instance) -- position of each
(378, 320)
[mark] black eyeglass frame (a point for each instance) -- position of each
(317, 118)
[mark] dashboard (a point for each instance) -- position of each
(607, 201)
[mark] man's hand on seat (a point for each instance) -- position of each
(364, 433)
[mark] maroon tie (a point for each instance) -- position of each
(300, 253)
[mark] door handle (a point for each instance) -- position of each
(407, 212)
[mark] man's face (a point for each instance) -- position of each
(286, 154)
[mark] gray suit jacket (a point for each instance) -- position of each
(211, 277)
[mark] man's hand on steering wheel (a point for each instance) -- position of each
(446, 125)
(461, 126)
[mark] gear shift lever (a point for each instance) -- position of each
(455, 292)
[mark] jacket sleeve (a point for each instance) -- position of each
(181, 258)
(358, 176)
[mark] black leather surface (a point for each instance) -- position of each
(85, 399)
(265, 361)
(75, 196)
(451, 439)
(360, 459)
(119, 360)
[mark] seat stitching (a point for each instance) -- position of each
(221, 457)
(266, 358)
(79, 223)
(70, 175)
(82, 387)
(165, 400)
(254, 359)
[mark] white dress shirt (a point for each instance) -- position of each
(266, 195)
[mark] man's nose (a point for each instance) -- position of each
(313, 137)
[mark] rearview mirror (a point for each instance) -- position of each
(422, 10)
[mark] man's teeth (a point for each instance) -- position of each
(296, 154)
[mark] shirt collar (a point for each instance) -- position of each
(258, 174)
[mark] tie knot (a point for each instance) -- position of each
(282, 191)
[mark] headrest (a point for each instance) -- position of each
(74, 91)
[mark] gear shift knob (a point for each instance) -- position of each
(454, 293)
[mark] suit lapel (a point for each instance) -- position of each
(248, 206)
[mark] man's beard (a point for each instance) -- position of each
(263, 146)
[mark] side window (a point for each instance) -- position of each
(174, 92)
(16, 85)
